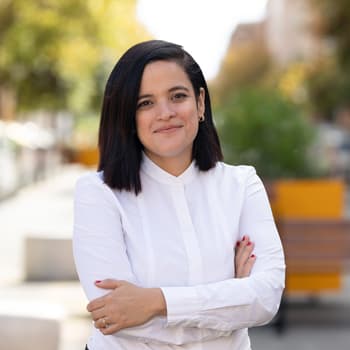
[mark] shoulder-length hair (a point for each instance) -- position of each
(119, 147)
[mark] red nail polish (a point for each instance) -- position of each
(98, 281)
(249, 243)
(243, 239)
(252, 256)
(237, 244)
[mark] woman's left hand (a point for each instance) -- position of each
(127, 305)
(244, 259)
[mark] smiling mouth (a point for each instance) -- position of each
(168, 129)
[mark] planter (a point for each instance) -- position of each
(308, 199)
(87, 156)
(309, 204)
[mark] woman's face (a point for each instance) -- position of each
(168, 112)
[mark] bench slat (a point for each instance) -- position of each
(316, 245)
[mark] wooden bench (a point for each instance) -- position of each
(317, 255)
(315, 249)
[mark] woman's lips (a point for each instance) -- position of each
(168, 129)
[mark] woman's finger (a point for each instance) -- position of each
(98, 314)
(249, 265)
(106, 284)
(243, 250)
(109, 283)
(244, 259)
(247, 251)
(240, 245)
(96, 304)
(110, 329)
(102, 323)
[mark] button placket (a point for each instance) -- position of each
(148, 240)
(195, 266)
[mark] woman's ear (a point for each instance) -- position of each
(201, 102)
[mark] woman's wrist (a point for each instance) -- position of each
(157, 302)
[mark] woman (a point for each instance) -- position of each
(155, 228)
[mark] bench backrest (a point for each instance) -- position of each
(316, 246)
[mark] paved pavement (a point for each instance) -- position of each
(46, 209)
(43, 209)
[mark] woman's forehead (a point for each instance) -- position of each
(160, 75)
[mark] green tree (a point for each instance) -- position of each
(242, 66)
(55, 54)
(261, 128)
(334, 24)
(329, 80)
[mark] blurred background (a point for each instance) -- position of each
(279, 76)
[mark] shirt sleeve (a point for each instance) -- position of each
(100, 252)
(238, 302)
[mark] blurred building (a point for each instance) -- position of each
(291, 31)
(246, 33)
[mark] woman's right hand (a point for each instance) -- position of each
(244, 257)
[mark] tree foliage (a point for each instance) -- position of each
(243, 66)
(257, 113)
(329, 79)
(55, 54)
(328, 87)
(334, 23)
(260, 127)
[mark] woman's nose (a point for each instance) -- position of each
(165, 110)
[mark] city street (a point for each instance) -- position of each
(45, 210)
(260, 82)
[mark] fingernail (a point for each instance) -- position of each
(238, 243)
(249, 243)
(98, 281)
(243, 239)
(252, 256)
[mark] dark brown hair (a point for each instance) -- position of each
(120, 149)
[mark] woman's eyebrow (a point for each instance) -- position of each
(179, 87)
(144, 96)
(174, 88)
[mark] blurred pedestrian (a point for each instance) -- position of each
(161, 231)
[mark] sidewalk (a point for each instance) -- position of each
(46, 209)
(42, 209)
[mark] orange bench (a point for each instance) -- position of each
(317, 254)
(315, 235)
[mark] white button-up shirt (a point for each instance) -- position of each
(179, 234)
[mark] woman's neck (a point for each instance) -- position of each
(172, 165)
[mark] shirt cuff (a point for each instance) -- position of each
(182, 303)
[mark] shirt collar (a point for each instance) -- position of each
(160, 175)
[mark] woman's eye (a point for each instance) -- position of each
(145, 103)
(179, 96)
